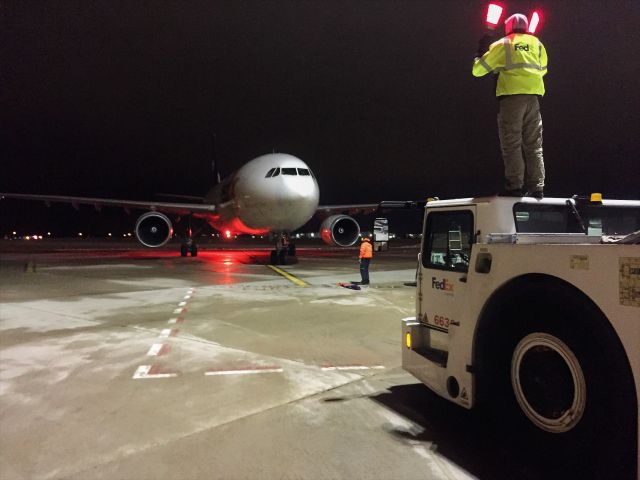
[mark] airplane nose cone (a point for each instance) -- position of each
(283, 203)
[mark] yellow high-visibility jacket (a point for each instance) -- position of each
(520, 60)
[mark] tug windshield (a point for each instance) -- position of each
(597, 219)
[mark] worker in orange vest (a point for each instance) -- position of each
(366, 254)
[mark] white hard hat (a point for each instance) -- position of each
(517, 21)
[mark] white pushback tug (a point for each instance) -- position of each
(532, 308)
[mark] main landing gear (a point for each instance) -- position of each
(283, 249)
(188, 245)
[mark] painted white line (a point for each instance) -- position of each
(176, 320)
(352, 367)
(244, 371)
(168, 332)
(142, 371)
(182, 304)
(187, 297)
(149, 371)
(159, 349)
(177, 310)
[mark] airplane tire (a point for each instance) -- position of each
(183, 250)
(291, 250)
(273, 260)
(194, 250)
(282, 257)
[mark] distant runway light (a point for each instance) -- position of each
(227, 233)
(48, 234)
(79, 234)
(128, 234)
(108, 234)
(15, 233)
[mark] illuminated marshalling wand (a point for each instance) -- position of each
(494, 15)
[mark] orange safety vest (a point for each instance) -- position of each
(366, 250)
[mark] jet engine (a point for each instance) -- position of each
(340, 230)
(153, 229)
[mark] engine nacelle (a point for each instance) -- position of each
(153, 229)
(340, 230)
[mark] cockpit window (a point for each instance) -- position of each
(303, 171)
(270, 172)
(276, 172)
(289, 171)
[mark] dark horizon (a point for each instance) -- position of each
(120, 99)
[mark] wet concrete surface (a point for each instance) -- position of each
(119, 362)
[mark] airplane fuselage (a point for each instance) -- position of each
(272, 193)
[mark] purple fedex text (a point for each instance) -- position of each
(443, 284)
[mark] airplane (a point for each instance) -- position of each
(272, 194)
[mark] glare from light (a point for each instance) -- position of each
(79, 234)
(108, 234)
(227, 233)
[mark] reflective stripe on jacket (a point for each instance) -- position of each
(366, 250)
(520, 60)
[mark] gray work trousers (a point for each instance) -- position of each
(520, 130)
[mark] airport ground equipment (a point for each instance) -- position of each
(530, 309)
(381, 234)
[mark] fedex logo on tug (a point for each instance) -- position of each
(443, 284)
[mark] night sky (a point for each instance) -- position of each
(119, 99)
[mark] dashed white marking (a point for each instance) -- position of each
(159, 349)
(245, 371)
(168, 332)
(177, 310)
(152, 371)
(176, 320)
(182, 304)
(352, 367)
(187, 297)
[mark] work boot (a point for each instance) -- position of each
(537, 194)
(511, 193)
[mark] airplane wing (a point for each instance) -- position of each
(371, 207)
(351, 209)
(98, 203)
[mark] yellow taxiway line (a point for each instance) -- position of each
(288, 276)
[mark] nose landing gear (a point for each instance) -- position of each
(284, 248)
